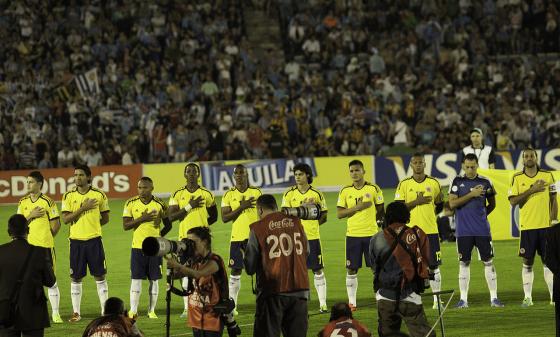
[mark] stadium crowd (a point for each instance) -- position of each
(180, 81)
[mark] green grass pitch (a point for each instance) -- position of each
(478, 320)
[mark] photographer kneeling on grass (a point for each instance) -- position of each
(114, 322)
(210, 307)
(399, 256)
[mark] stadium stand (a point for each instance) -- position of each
(119, 82)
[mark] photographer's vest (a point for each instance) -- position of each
(283, 248)
(396, 273)
(208, 291)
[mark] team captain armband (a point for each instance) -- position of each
(552, 188)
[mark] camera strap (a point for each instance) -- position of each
(407, 249)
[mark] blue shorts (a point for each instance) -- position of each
(435, 251)
(465, 245)
(142, 266)
(87, 253)
(315, 257)
(235, 255)
(532, 241)
(356, 247)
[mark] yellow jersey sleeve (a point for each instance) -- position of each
(127, 210)
(341, 201)
(52, 212)
(164, 207)
(209, 198)
(514, 188)
(286, 197)
(400, 192)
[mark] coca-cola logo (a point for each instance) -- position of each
(284, 223)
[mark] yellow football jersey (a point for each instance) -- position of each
(197, 217)
(363, 223)
(294, 198)
(88, 225)
(535, 213)
(39, 228)
(134, 208)
(232, 199)
(423, 216)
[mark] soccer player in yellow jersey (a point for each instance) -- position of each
(304, 193)
(362, 203)
(85, 208)
(44, 223)
(534, 191)
(195, 206)
(144, 214)
(424, 198)
(238, 205)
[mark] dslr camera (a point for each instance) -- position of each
(152, 246)
(304, 212)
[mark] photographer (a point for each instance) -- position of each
(114, 322)
(277, 252)
(399, 257)
(208, 286)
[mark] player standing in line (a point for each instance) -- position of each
(423, 197)
(86, 208)
(362, 203)
(144, 214)
(473, 197)
(238, 206)
(195, 206)
(300, 194)
(534, 191)
(44, 223)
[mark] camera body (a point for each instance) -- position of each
(224, 306)
(158, 246)
(304, 212)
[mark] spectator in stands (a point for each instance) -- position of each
(45, 162)
(179, 64)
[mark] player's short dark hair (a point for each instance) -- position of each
(356, 162)
(193, 164)
(267, 201)
(37, 176)
(471, 157)
(17, 226)
(84, 168)
(397, 212)
(114, 306)
(203, 234)
(239, 166)
(340, 310)
(305, 168)
(417, 155)
(147, 179)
